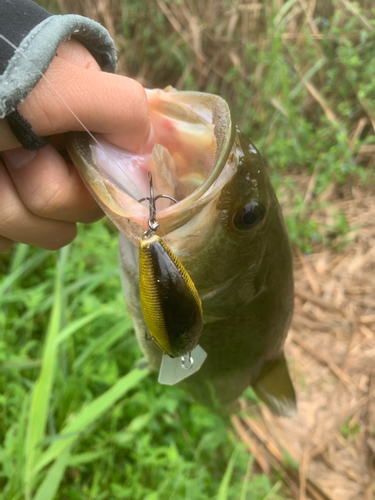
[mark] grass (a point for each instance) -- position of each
(78, 420)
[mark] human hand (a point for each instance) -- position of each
(42, 196)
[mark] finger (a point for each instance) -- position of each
(17, 223)
(70, 50)
(5, 244)
(7, 139)
(49, 187)
(113, 105)
(76, 53)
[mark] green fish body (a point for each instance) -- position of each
(228, 232)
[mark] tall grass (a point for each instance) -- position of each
(78, 419)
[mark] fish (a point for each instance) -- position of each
(226, 229)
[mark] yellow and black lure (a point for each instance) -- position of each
(170, 302)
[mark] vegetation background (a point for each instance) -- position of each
(78, 421)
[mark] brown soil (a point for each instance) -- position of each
(331, 349)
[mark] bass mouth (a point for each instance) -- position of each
(194, 135)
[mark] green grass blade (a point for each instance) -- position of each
(50, 485)
(89, 415)
(104, 342)
(20, 364)
(224, 485)
(33, 262)
(91, 281)
(80, 323)
(273, 493)
(38, 412)
(87, 457)
(12, 459)
(279, 19)
(19, 256)
(307, 76)
(247, 479)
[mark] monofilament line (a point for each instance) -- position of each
(100, 146)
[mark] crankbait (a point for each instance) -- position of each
(170, 302)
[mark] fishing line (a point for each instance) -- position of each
(100, 146)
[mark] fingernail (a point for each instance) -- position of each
(19, 157)
(148, 147)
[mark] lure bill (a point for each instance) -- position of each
(174, 370)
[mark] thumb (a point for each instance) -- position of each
(112, 105)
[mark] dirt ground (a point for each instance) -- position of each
(331, 350)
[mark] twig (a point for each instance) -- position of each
(340, 374)
(260, 459)
(366, 106)
(309, 18)
(312, 487)
(369, 493)
(311, 186)
(301, 36)
(367, 149)
(321, 101)
(366, 320)
(318, 97)
(362, 122)
(323, 304)
(275, 460)
(312, 324)
(303, 476)
(251, 7)
(264, 438)
(354, 10)
(177, 26)
(309, 273)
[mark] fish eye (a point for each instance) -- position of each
(248, 216)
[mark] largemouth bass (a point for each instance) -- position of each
(226, 229)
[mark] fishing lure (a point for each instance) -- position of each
(170, 302)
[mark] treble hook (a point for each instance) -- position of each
(152, 223)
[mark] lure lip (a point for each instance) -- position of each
(131, 217)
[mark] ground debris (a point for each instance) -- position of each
(331, 349)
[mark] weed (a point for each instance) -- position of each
(350, 429)
(78, 421)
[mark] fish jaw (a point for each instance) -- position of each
(194, 134)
